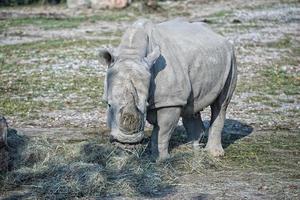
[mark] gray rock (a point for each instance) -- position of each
(100, 4)
(78, 4)
(97, 4)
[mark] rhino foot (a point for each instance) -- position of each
(215, 151)
(163, 158)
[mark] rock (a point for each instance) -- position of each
(100, 4)
(236, 21)
(97, 4)
(78, 4)
(151, 3)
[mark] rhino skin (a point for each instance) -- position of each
(161, 72)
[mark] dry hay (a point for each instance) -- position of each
(94, 169)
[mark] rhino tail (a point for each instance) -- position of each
(231, 81)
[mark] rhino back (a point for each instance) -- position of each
(193, 68)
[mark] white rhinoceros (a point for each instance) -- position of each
(161, 72)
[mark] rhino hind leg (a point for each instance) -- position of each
(214, 145)
(195, 128)
(165, 123)
(218, 114)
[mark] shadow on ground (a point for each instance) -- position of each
(233, 130)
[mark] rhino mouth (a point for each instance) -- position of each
(130, 129)
(121, 137)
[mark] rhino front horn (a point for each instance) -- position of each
(130, 120)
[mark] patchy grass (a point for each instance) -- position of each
(44, 23)
(274, 79)
(52, 44)
(70, 22)
(218, 17)
(42, 92)
(277, 81)
(269, 5)
(276, 152)
(50, 75)
(285, 42)
(220, 14)
(266, 100)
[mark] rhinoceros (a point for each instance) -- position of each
(161, 72)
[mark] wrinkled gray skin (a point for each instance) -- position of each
(161, 72)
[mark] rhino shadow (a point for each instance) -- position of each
(233, 130)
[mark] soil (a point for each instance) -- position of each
(266, 101)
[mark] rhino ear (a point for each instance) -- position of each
(152, 57)
(106, 56)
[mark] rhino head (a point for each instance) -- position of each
(126, 89)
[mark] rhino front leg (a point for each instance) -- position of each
(194, 127)
(166, 121)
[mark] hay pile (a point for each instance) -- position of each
(93, 169)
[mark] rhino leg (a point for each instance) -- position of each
(214, 145)
(194, 128)
(218, 114)
(165, 123)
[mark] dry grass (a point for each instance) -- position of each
(94, 169)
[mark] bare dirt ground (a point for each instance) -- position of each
(51, 85)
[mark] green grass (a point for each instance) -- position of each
(277, 81)
(276, 152)
(44, 23)
(220, 14)
(285, 42)
(53, 44)
(47, 23)
(21, 92)
(272, 80)
(264, 100)
(48, 84)
(27, 89)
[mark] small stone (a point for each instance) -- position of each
(283, 68)
(236, 21)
